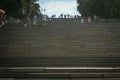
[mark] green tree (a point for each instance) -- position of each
(18, 7)
(102, 8)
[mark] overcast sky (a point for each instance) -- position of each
(58, 6)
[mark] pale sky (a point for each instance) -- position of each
(59, 6)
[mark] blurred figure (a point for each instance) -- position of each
(82, 20)
(27, 22)
(35, 20)
(75, 16)
(17, 21)
(95, 17)
(61, 16)
(1, 18)
(5, 19)
(45, 19)
(89, 20)
(68, 16)
(65, 16)
(54, 16)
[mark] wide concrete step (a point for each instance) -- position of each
(55, 61)
(60, 69)
(60, 72)
(59, 78)
(60, 75)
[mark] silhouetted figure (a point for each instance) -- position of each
(1, 18)
(75, 16)
(61, 16)
(68, 16)
(65, 16)
(54, 16)
(4, 19)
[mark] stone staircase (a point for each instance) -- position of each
(64, 48)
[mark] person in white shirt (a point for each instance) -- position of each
(82, 20)
(89, 20)
(34, 20)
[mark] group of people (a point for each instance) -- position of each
(68, 16)
(34, 20)
(94, 18)
(31, 21)
(89, 19)
(65, 16)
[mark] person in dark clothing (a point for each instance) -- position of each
(1, 19)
